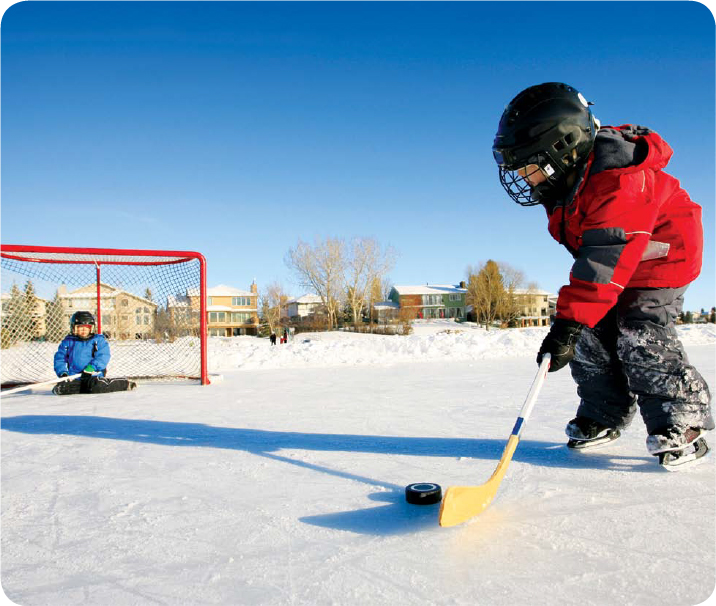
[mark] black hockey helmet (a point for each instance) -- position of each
(548, 125)
(82, 317)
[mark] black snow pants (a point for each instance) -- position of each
(633, 357)
(95, 384)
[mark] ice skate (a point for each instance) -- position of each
(66, 388)
(678, 448)
(584, 433)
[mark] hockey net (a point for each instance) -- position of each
(151, 306)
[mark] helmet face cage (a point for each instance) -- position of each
(82, 318)
(517, 187)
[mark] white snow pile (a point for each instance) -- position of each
(431, 340)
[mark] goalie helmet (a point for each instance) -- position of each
(82, 318)
(548, 126)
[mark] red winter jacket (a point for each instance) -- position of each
(629, 225)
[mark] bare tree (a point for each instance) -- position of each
(321, 269)
(271, 301)
(512, 280)
(367, 265)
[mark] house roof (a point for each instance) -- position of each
(221, 291)
(111, 292)
(531, 291)
(305, 299)
(386, 305)
(177, 301)
(430, 289)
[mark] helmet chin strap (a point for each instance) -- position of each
(551, 191)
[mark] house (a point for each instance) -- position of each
(535, 306)
(123, 315)
(385, 311)
(231, 312)
(431, 301)
(304, 306)
(32, 329)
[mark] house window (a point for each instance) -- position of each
(241, 301)
(209, 300)
(432, 299)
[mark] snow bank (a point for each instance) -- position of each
(431, 340)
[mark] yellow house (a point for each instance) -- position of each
(231, 312)
(534, 306)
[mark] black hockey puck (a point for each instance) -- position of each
(424, 493)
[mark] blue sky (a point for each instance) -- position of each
(235, 129)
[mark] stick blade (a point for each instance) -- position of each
(461, 503)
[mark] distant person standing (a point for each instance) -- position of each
(273, 338)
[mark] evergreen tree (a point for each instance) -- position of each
(31, 320)
(13, 318)
(712, 315)
(164, 328)
(55, 326)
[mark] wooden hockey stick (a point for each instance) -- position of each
(5, 392)
(461, 503)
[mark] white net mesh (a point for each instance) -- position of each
(149, 309)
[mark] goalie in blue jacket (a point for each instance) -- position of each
(84, 351)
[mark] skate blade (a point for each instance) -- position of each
(700, 454)
(593, 444)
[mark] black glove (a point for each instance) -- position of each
(86, 379)
(64, 374)
(560, 343)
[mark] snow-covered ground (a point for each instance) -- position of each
(283, 484)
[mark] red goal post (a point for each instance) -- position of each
(151, 305)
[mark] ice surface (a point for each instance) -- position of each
(283, 484)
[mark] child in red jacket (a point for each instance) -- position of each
(637, 241)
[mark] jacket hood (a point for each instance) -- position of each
(629, 145)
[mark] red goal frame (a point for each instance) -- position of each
(115, 256)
